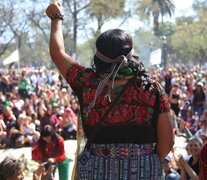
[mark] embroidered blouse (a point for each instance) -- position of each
(132, 118)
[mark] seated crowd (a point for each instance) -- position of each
(32, 99)
(29, 100)
(186, 90)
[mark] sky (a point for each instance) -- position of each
(183, 8)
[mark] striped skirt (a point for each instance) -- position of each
(121, 162)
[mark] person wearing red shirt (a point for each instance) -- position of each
(50, 149)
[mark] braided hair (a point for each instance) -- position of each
(112, 44)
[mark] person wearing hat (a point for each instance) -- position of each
(64, 97)
(132, 125)
(23, 133)
(199, 99)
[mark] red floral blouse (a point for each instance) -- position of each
(49, 151)
(134, 108)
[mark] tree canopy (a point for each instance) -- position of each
(24, 25)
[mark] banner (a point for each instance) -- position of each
(155, 57)
(13, 57)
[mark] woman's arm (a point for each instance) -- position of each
(188, 170)
(41, 173)
(1, 125)
(16, 131)
(32, 127)
(183, 174)
(21, 128)
(179, 163)
(191, 173)
(170, 96)
(61, 152)
(165, 136)
(57, 49)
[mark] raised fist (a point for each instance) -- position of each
(54, 8)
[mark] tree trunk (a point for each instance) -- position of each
(156, 23)
(75, 27)
(203, 57)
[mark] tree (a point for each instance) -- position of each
(155, 8)
(189, 39)
(102, 11)
(144, 43)
(6, 15)
(76, 7)
(15, 25)
(166, 29)
(199, 6)
(190, 35)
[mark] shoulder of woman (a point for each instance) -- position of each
(80, 68)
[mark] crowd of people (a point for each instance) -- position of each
(40, 107)
(186, 90)
(125, 114)
(31, 99)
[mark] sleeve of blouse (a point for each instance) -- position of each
(36, 154)
(62, 154)
(203, 162)
(164, 105)
(79, 76)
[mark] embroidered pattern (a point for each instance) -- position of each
(135, 107)
(146, 166)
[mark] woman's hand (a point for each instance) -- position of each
(186, 169)
(54, 8)
(182, 161)
(48, 173)
(57, 48)
(51, 160)
(38, 172)
(41, 173)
